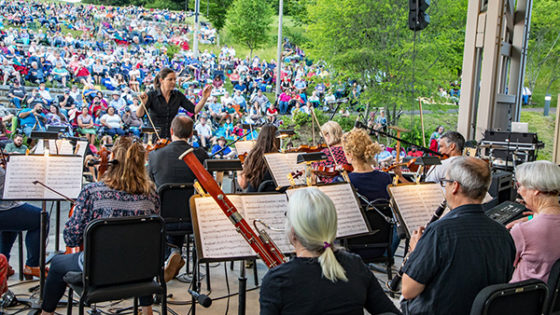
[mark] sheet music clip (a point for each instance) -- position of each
(428, 160)
(311, 157)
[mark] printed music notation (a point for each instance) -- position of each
(218, 236)
(243, 147)
(351, 220)
(60, 146)
(61, 173)
(281, 165)
(416, 203)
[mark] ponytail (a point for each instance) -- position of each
(312, 218)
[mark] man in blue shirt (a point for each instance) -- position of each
(460, 254)
(32, 119)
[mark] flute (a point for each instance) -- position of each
(394, 283)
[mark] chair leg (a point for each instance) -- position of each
(70, 301)
(164, 302)
(135, 306)
(255, 273)
(188, 252)
(81, 309)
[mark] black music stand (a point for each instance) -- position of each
(311, 157)
(221, 166)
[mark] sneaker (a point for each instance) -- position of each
(174, 264)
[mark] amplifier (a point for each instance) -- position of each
(506, 212)
(501, 187)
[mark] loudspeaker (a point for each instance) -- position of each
(502, 186)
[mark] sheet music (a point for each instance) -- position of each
(64, 147)
(21, 172)
(271, 209)
(350, 217)
(218, 236)
(282, 164)
(61, 173)
(244, 146)
(417, 203)
(81, 148)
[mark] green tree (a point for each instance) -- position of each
(369, 41)
(248, 22)
(218, 12)
(543, 56)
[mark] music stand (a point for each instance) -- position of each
(57, 129)
(49, 135)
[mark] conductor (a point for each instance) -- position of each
(163, 103)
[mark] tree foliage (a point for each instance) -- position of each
(369, 41)
(218, 12)
(543, 57)
(248, 22)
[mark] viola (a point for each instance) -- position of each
(243, 156)
(408, 165)
(104, 162)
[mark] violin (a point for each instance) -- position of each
(307, 148)
(104, 162)
(242, 157)
(158, 145)
(408, 165)
(331, 171)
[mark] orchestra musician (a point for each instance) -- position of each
(536, 241)
(255, 171)
(164, 102)
(124, 190)
(321, 278)
(332, 132)
(14, 218)
(165, 167)
(460, 254)
(450, 144)
(360, 151)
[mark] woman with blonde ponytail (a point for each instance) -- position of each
(321, 279)
(124, 190)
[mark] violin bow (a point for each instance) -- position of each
(149, 118)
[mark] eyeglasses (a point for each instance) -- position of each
(444, 181)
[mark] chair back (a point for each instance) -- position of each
(520, 298)
(174, 200)
(123, 250)
(371, 246)
(554, 287)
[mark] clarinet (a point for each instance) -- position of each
(393, 284)
(262, 245)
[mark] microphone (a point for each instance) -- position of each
(202, 299)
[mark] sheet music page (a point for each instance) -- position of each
(244, 146)
(271, 209)
(64, 147)
(417, 203)
(63, 174)
(21, 172)
(81, 148)
(282, 164)
(350, 218)
(218, 236)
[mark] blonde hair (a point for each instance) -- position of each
(543, 176)
(312, 217)
(359, 144)
(334, 130)
(129, 173)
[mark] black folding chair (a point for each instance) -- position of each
(377, 246)
(520, 298)
(123, 258)
(175, 211)
(553, 305)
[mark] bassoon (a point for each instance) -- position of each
(394, 283)
(261, 243)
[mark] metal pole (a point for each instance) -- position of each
(279, 52)
(196, 27)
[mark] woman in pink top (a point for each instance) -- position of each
(536, 240)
